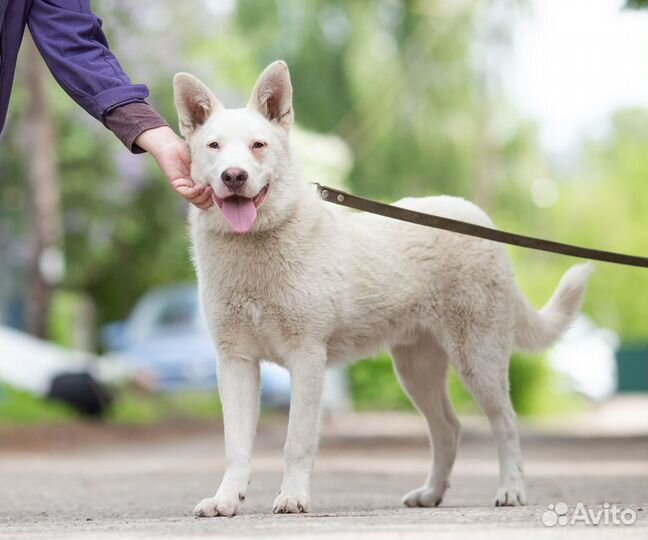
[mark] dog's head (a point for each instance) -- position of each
(244, 154)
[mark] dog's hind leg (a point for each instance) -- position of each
(484, 371)
(422, 371)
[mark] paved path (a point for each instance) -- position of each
(147, 488)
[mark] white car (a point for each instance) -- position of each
(586, 356)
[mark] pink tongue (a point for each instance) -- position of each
(240, 213)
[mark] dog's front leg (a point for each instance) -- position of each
(307, 380)
(238, 388)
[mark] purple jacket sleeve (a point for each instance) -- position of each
(69, 37)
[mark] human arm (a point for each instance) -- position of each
(70, 39)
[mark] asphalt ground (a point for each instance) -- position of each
(92, 482)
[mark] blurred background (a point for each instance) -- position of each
(536, 110)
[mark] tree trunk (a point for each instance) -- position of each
(45, 216)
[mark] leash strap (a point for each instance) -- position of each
(341, 198)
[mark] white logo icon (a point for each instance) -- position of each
(555, 514)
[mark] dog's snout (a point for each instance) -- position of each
(234, 177)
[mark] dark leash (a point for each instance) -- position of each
(341, 198)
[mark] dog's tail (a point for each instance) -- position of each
(537, 330)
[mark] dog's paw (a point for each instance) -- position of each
(511, 496)
(291, 504)
(214, 507)
(423, 496)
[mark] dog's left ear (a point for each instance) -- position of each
(272, 94)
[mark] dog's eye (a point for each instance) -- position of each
(214, 145)
(258, 144)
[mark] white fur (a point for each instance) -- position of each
(313, 285)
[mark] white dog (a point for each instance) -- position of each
(288, 277)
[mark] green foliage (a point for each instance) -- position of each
(63, 308)
(604, 205)
(535, 389)
(146, 246)
(126, 229)
(373, 385)
(393, 80)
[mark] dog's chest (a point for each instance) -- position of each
(260, 295)
(257, 328)
(258, 310)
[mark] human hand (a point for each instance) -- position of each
(174, 159)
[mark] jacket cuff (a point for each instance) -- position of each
(112, 98)
(129, 121)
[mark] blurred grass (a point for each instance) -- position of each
(131, 407)
(536, 390)
(17, 407)
(137, 407)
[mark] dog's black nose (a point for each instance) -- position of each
(234, 178)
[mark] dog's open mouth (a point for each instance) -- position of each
(240, 212)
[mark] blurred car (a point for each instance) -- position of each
(585, 355)
(47, 370)
(165, 342)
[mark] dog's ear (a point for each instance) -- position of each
(194, 102)
(272, 94)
